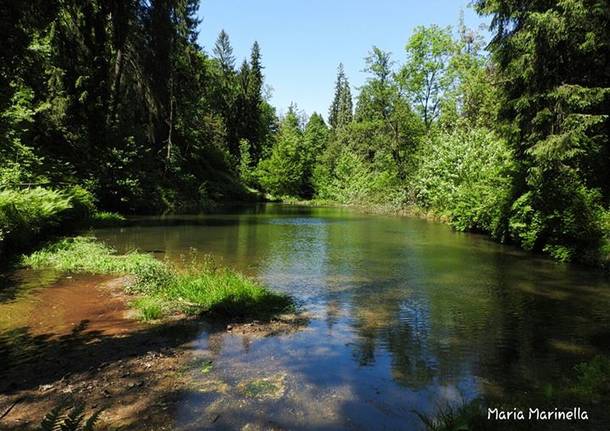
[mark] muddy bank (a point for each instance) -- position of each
(78, 341)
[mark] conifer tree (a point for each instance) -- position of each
(224, 52)
(341, 109)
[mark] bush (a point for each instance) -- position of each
(354, 181)
(27, 214)
(559, 215)
(466, 175)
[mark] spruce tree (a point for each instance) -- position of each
(224, 52)
(341, 109)
(553, 58)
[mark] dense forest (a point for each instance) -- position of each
(113, 104)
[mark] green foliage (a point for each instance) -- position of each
(245, 162)
(149, 308)
(548, 56)
(315, 141)
(425, 76)
(83, 254)
(225, 292)
(30, 210)
(201, 287)
(468, 416)
(558, 216)
(281, 173)
(28, 214)
(593, 379)
(353, 181)
(69, 418)
(107, 218)
(118, 97)
(341, 109)
(466, 175)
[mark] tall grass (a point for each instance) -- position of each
(198, 287)
(467, 416)
(83, 254)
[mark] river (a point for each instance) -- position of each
(405, 314)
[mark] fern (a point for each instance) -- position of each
(74, 418)
(65, 418)
(52, 419)
(90, 423)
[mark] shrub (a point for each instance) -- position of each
(354, 181)
(25, 215)
(466, 175)
(558, 215)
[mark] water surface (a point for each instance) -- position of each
(407, 314)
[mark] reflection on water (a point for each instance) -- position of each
(406, 313)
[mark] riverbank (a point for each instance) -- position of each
(160, 289)
(404, 315)
(80, 342)
(83, 339)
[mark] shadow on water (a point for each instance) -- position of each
(15, 284)
(405, 315)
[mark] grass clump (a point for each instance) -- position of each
(82, 254)
(224, 292)
(467, 416)
(106, 219)
(149, 308)
(200, 287)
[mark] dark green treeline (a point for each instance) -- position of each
(508, 138)
(117, 96)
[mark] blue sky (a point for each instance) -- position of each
(303, 41)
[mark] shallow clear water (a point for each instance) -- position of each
(406, 314)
